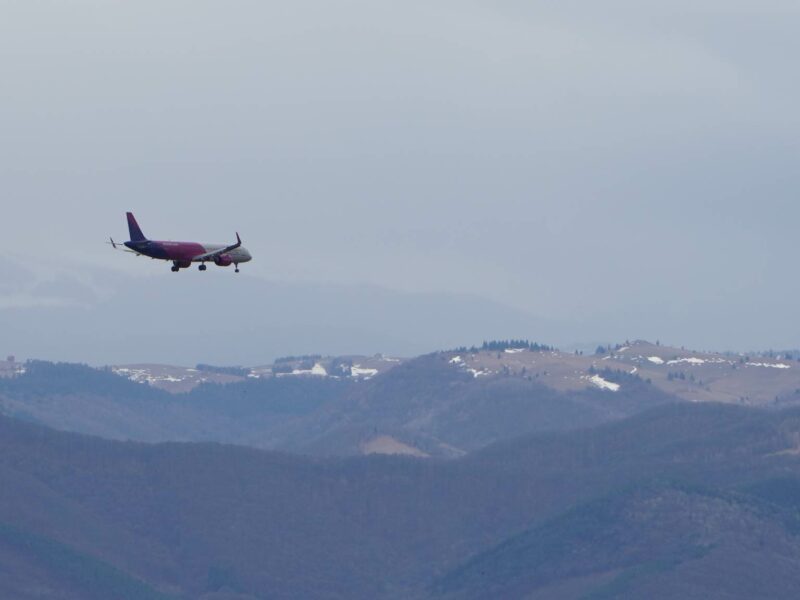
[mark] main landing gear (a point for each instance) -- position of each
(201, 267)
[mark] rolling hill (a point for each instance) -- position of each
(426, 406)
(443, 404)
(672, 499)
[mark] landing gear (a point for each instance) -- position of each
(174, 269)
(202, 268)
(237, 267)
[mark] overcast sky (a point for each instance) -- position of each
(632, 165)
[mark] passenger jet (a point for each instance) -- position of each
(183, 254)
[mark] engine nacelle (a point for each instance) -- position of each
(223, 260)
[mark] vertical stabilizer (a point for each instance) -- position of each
(133, 228)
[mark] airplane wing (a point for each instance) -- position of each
(220, 252)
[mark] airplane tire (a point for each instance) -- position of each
(174, 269)
(202, 267)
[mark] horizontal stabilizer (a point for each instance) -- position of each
(118, 246)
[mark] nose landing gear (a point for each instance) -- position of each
(202, 267)
(237, 267)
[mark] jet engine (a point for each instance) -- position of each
(223, 260)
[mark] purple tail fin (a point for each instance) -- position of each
(133, 228)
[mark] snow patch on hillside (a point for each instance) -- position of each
(385, 444)
(769, 365)
(603, 384)
(357, 371)
(317, 371)
(389, 359)
(656, 360)
(143, 376)
(692, 360)
(476, 373)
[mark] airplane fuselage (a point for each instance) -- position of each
(186, 252)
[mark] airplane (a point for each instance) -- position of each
(182, 254)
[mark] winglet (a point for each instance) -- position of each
(113, 244)
(238, 239)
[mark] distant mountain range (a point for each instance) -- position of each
(751, 379)
(444, 404)
(427, 406)
(508, 470)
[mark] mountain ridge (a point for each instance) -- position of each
(426, 405)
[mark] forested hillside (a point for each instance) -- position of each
(673, 499)
(426, 406)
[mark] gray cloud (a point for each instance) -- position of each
(629, 166)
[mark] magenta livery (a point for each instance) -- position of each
(183, 254)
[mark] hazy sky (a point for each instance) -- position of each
(632, 165)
